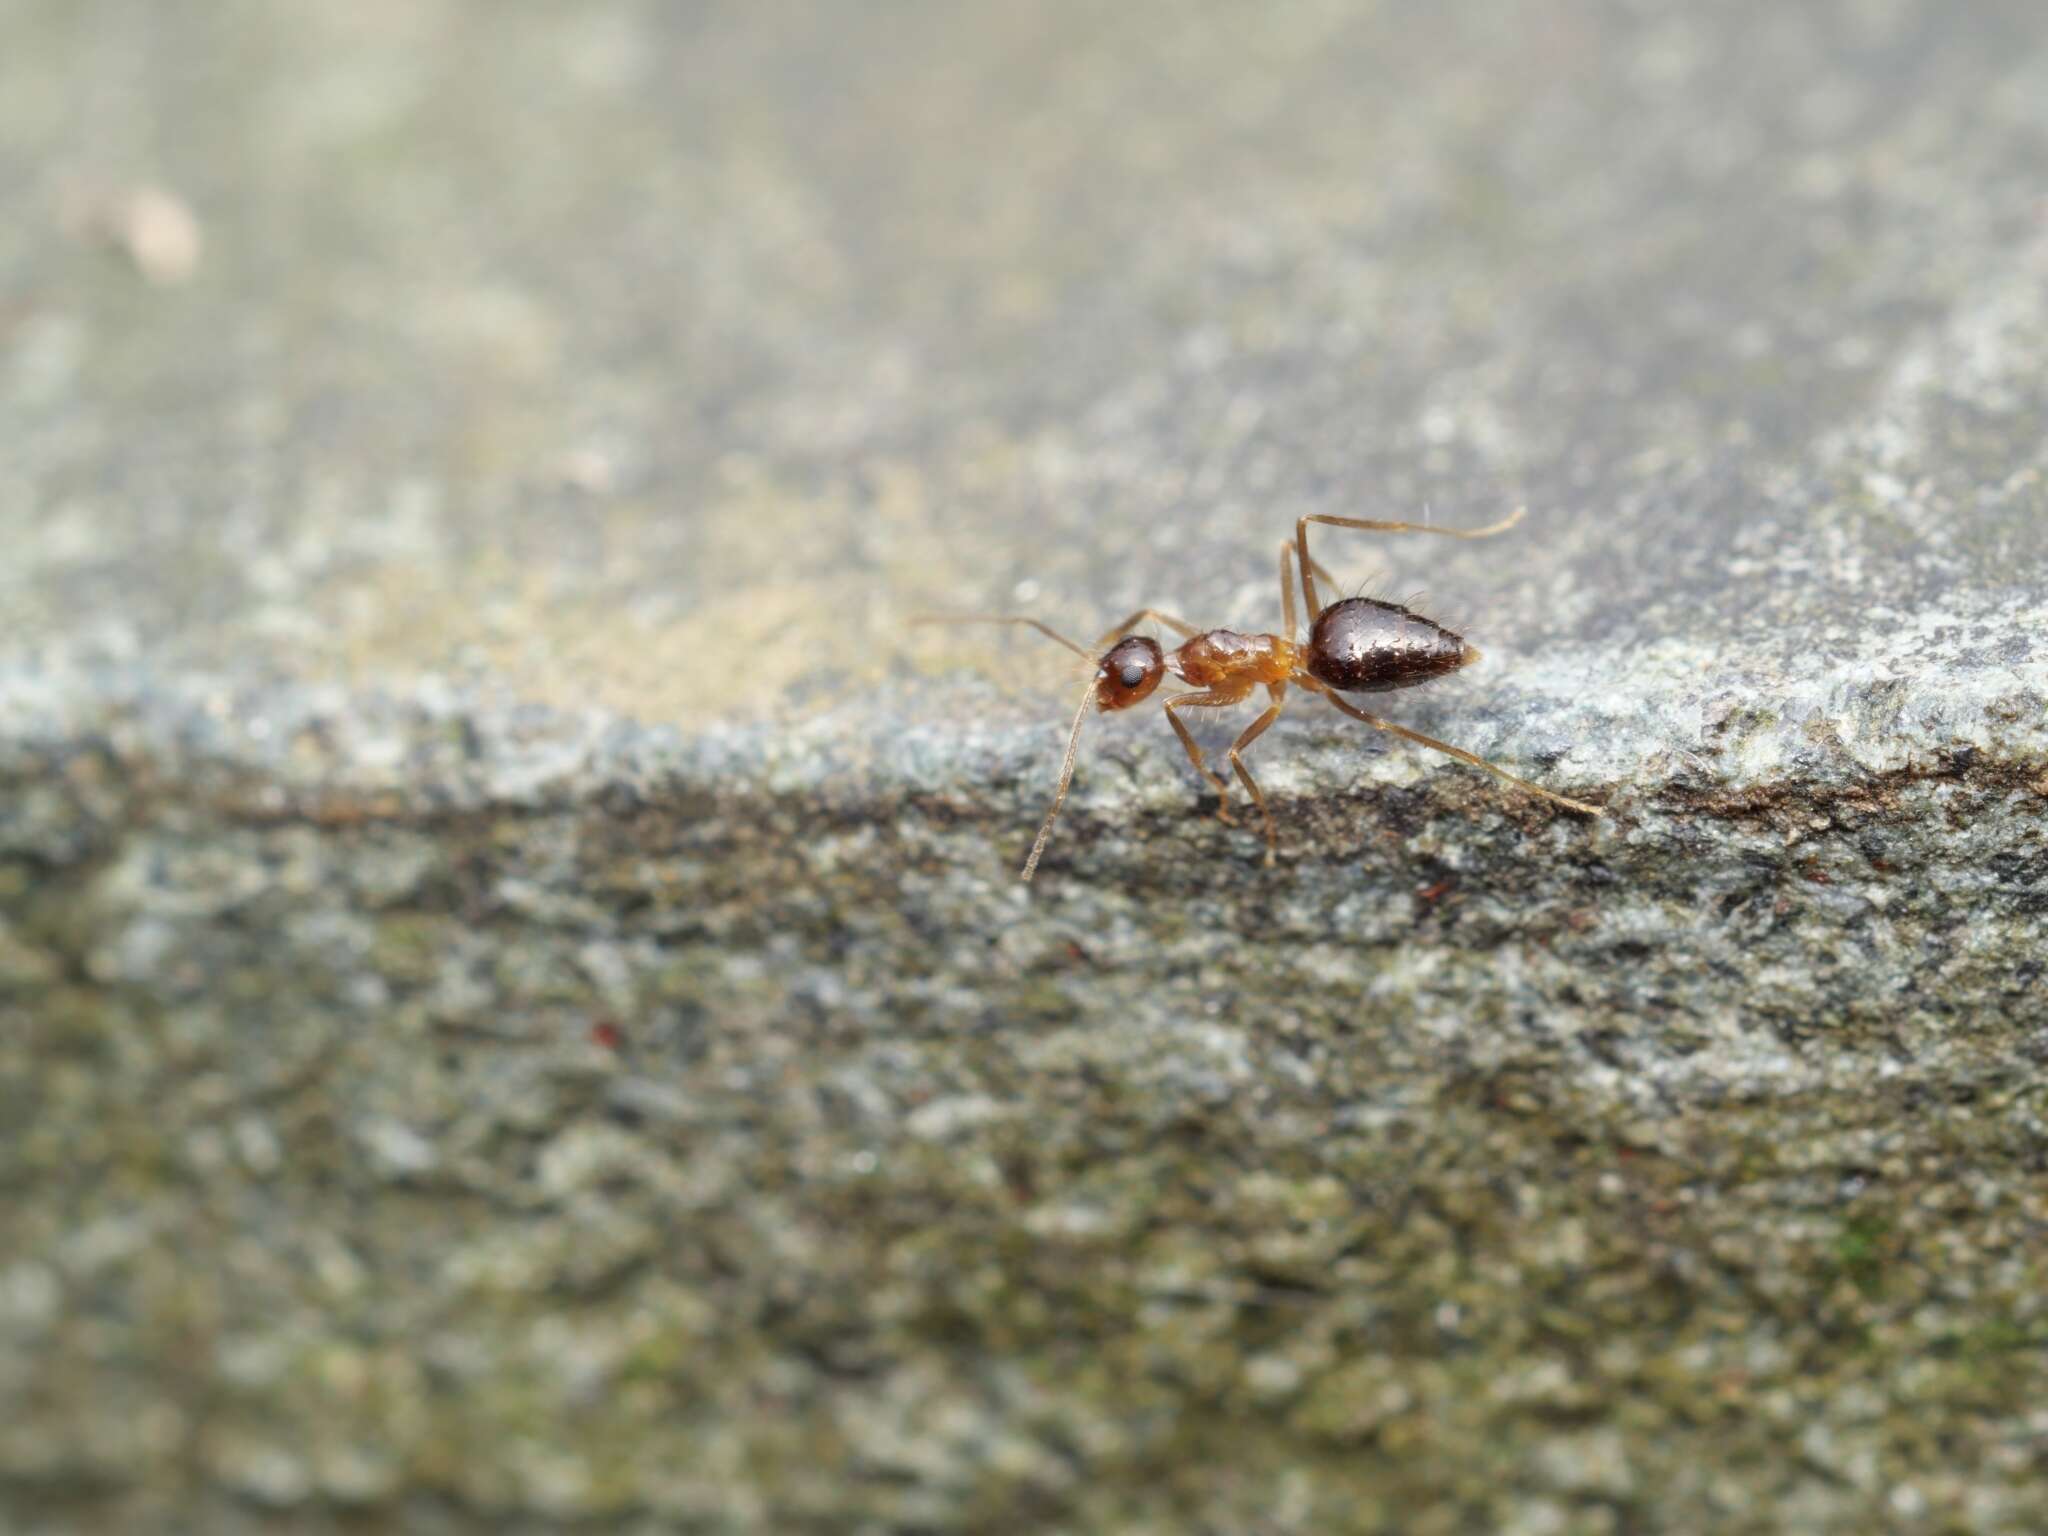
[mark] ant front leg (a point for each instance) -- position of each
(1205, 700)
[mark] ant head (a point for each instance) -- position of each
(1129, 672)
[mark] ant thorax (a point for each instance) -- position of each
(1223, 658)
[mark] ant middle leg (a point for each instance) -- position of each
(1447, 749)
(1376, 525)
(1250, 734)
(1209, 699)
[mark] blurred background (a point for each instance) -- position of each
(604, 345)
(515, 1012)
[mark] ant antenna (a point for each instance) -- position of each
(1001, 618)
(1066, 778)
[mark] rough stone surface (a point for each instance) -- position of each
(515, 1008)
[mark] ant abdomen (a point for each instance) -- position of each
(1362, 645)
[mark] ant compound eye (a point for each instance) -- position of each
(1133, 673)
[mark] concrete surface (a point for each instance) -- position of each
(515, 1008)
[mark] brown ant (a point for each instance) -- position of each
(1356, 645)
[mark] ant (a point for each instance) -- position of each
(1355, 645)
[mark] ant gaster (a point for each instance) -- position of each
(1355, 645)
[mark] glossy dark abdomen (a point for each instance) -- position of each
(1363, 646)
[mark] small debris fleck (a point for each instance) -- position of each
(150, 225)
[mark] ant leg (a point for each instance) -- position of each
(1322, 573)
(1447, 749)
(1251, 733)
(1375, 525)
(1181, 627)
(1287, 588)
(1206, 700)
(1002, 618)
(1287, 584)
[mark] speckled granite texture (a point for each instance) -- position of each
(516, 1013)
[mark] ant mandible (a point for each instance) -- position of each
(1356, 645)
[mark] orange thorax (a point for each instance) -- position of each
(1225, 659)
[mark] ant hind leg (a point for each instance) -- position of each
(1378, 525)
(1316, 568)
(1292, 624)
(1448, 750)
